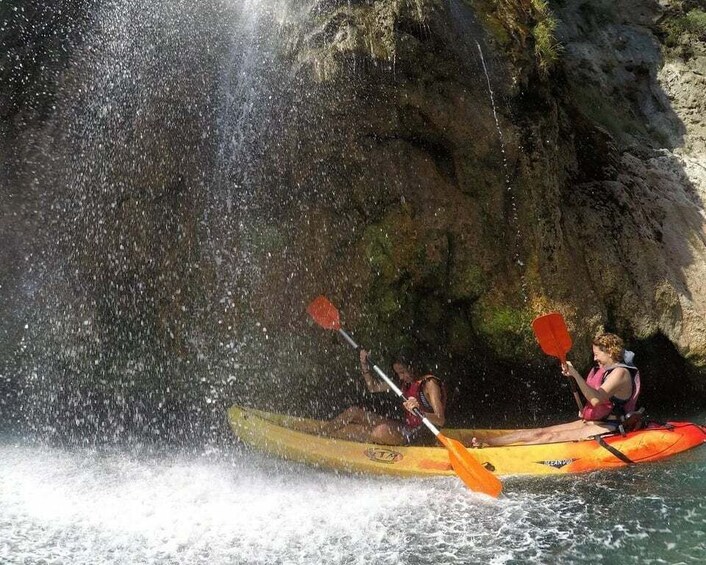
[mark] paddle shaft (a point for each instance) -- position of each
(575, 390)
(390, 383)
(573, 385)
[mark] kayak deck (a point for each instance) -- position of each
(294, 438)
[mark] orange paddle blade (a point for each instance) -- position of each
(552, 335)
(469, 470)
(324, 313)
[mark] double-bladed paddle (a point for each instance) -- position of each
(554, 339)
(469, 470)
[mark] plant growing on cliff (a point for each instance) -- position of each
(681, 30)
(515, 23)
(693, 22)
(546, 47)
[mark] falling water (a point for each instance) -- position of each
(514, 218)
(246, 125)
(118, 174)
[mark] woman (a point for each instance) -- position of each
(610, 389)
(423, 392)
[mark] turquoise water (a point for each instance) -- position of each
(88, 506)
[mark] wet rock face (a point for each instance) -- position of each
(199, 182)
(439, 228)
(430, 240)
(636, 217)
(415, 154)
(616, 231)
(389, 180)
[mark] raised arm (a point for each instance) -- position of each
(374, 384)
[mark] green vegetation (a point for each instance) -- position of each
(506, 329)
(379, 250)
(399, 251)
(693, 23)
(469, 283)
(519, 23)
(546, 47)
(391, 247)
(682, 30)
(502, 319)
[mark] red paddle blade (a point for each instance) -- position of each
(552, 335)
(469, 470)
(324, 313)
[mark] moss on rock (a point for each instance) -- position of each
(468, 283)
(506, 329)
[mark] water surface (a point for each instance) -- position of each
(132, 505)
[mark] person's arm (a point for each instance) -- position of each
(618, 384)
(373, 383)
(614, 384)
(432, 391)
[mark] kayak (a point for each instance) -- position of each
(294, 439)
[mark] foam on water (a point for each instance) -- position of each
(88, 506)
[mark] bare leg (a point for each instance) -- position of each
(351, 432)
(389, 433)
(353, 415)
(383, 434)
(570, 431)
(356, 424)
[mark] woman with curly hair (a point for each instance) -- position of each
(611, 389)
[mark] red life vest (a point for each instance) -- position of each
(613, 406)
(416, 390)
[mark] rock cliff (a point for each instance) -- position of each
(187, 178)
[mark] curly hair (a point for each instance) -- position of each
(611, 344)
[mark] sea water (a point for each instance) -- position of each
(232, 506)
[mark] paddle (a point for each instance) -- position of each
(469, 470)
(554, 339)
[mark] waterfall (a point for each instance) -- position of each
(514, 220)
(163, 189)
(248, 124)
(113, 312)
(209, 168)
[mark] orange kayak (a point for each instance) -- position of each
(292, 438)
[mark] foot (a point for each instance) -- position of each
(476, 443)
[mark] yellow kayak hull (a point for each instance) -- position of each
(292, 438)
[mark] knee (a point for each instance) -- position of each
(541, 436)
(352, 412)
(381, 434)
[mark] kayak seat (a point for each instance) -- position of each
(632, 421)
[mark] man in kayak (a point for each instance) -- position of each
(425, 392)
(610, 389)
